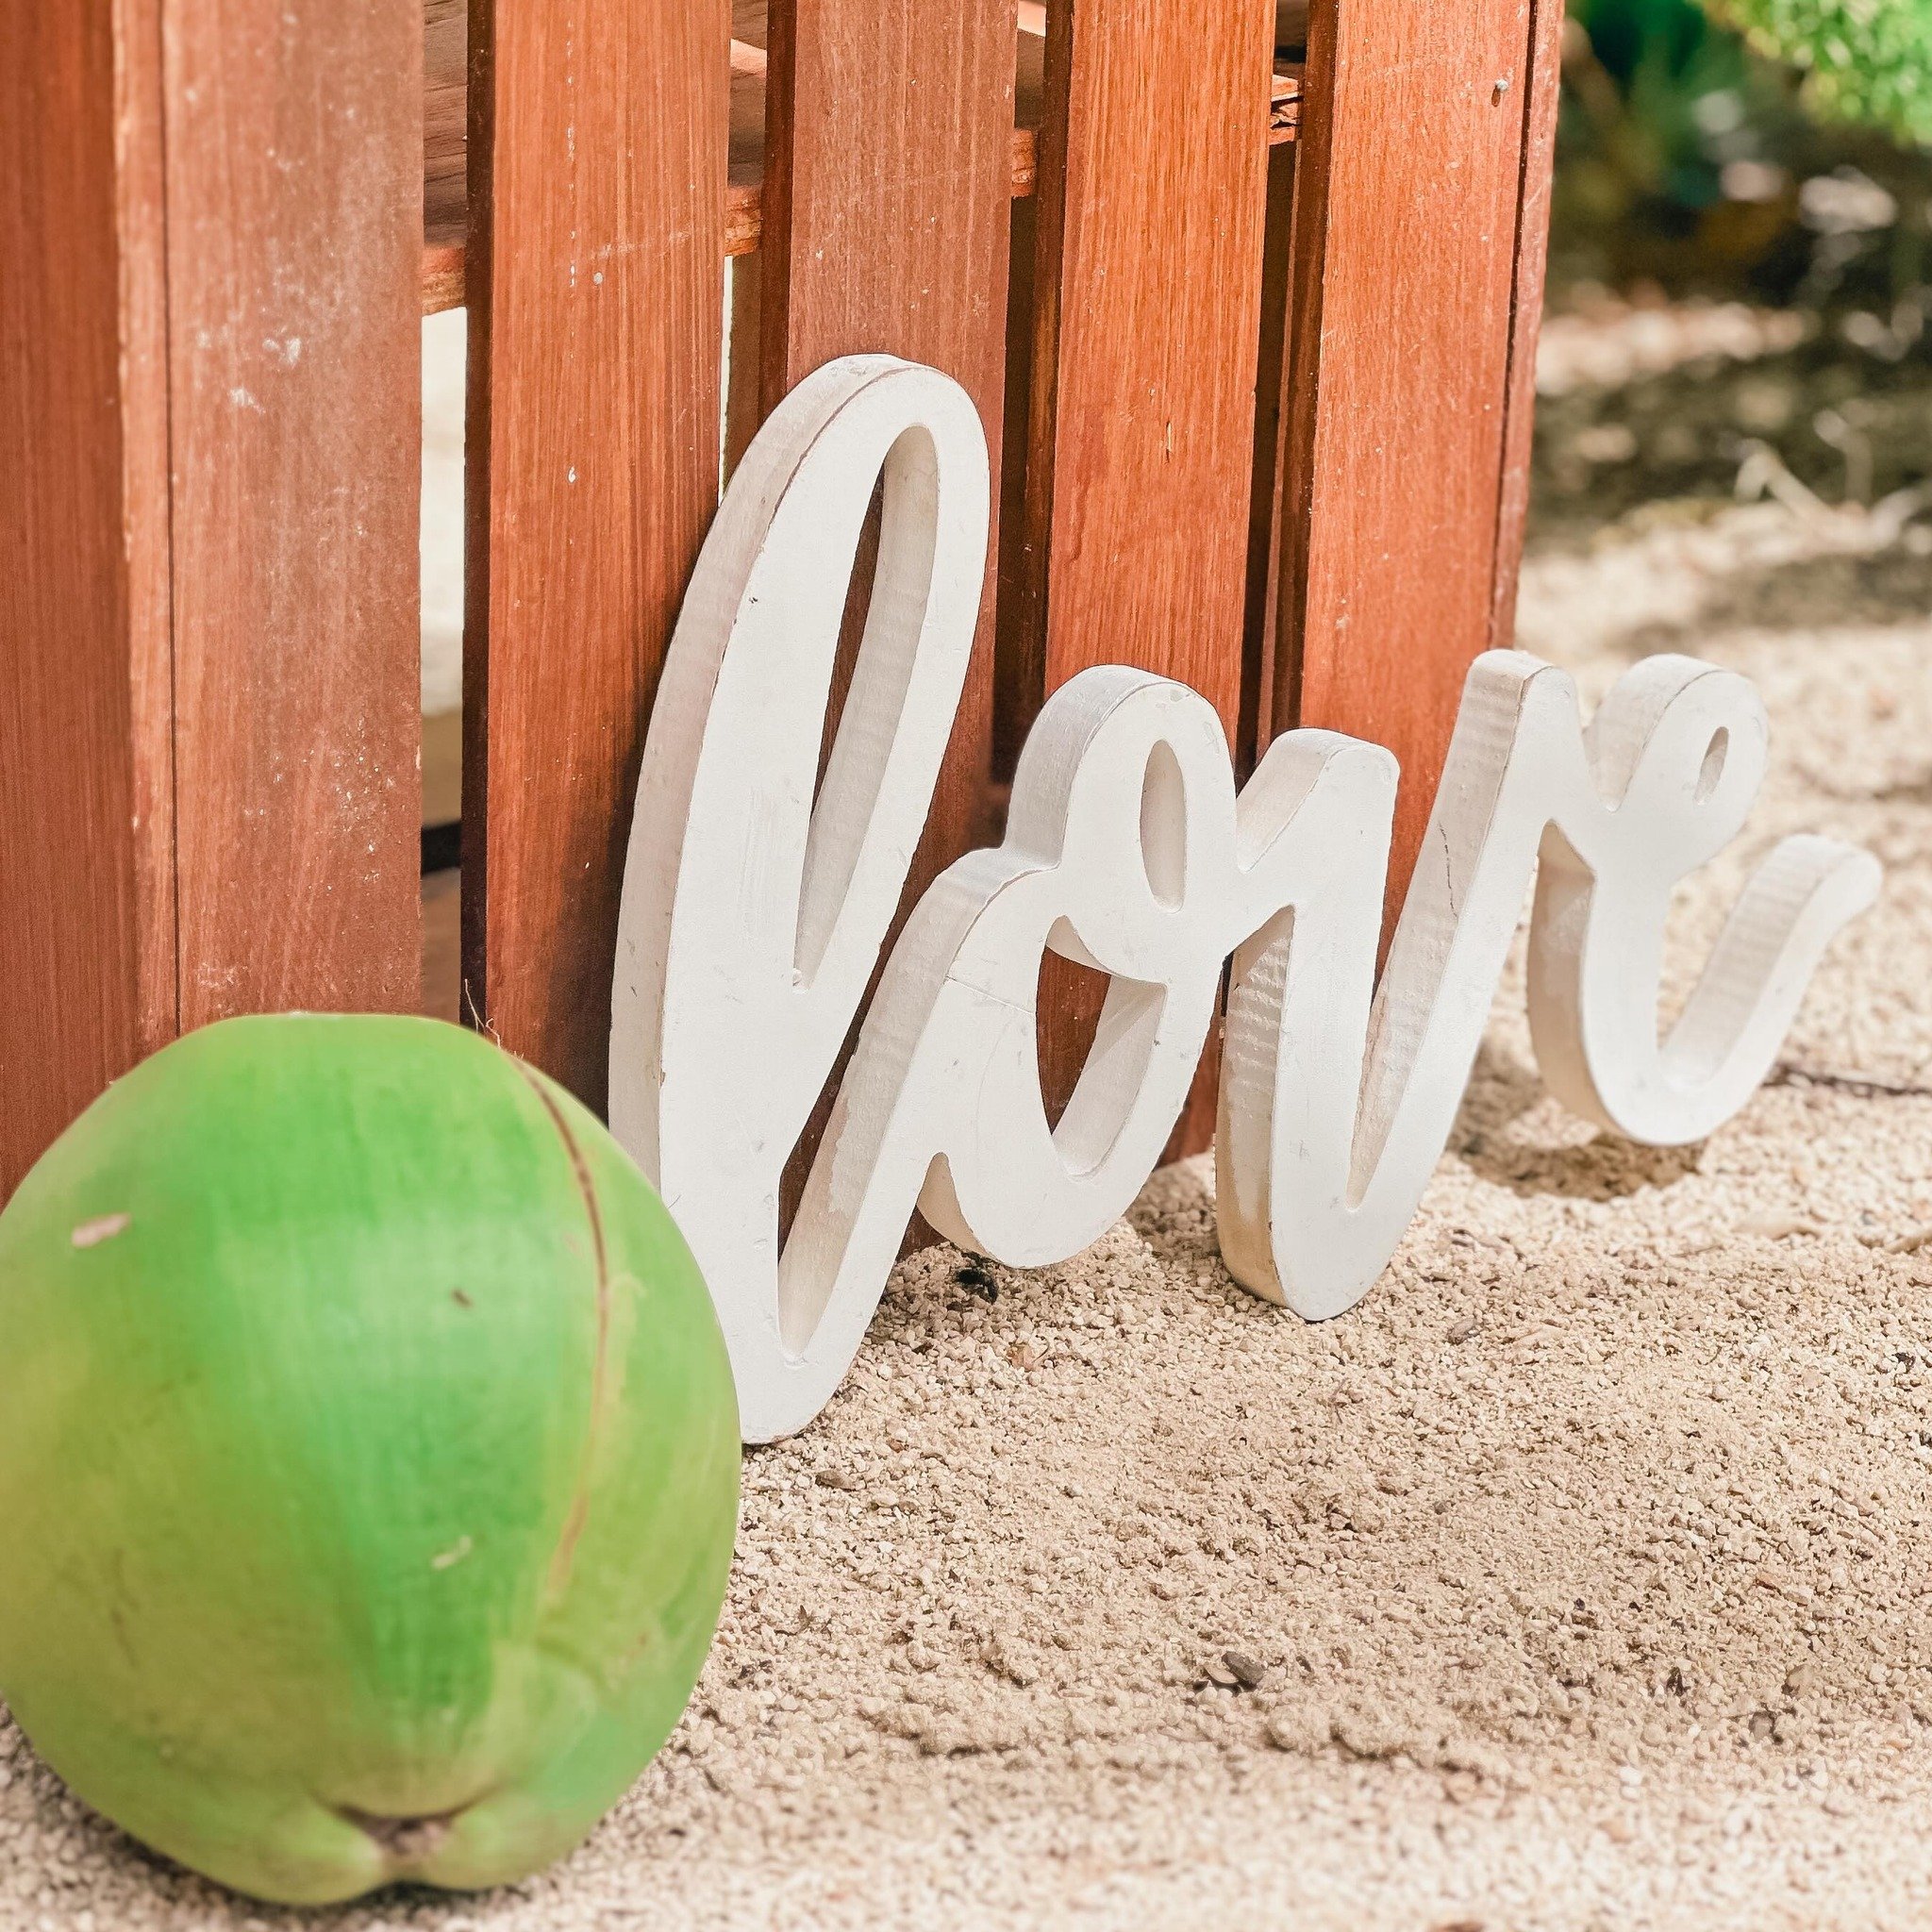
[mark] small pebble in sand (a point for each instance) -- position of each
(1246, 1672)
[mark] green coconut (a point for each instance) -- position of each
(368, 1459)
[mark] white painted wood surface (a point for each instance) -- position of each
(753, 920)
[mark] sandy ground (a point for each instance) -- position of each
(1577, 1579)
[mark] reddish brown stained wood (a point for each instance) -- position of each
(598, 138)
(888, 197)
(445, 272)
(445, 106)
(295, 236)
(445, 215)
(1527, 305)
(86, 940)
(209, 348)
(888, 205)
(1153, 192)
(1406, 260)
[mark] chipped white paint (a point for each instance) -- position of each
(753, 920)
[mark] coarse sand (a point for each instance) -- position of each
(1578, 1579)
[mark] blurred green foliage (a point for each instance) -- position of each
(1774, 157)
(1860, 61)
(1730, 158)
(1660, 100)
(1867, 60)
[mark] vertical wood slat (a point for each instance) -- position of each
(888, 207)
(597, 173)
(1153, 194)
(87, 939)
(1407, 264)
(210, 220)
(294, 212)
(889, 189)
(887, 212)
(1541, 98)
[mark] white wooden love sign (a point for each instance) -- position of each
(753, 917)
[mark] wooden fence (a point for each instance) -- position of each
(1247, 300)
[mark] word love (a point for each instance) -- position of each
(753, 920)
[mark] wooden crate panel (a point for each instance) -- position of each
(208, 330)
(887, 204)
(86, 940)
(294, 237)
(1408, 259)
(1140, 438)
(599, 133)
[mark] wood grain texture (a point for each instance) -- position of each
(1154, 157)
(1540, 96)
(446, 217)
(294, 245)
(1405, 256)
(888, 185)
(86, 940)
(598, 138)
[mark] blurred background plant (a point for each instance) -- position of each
(1862, 59)
(1742, 260)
